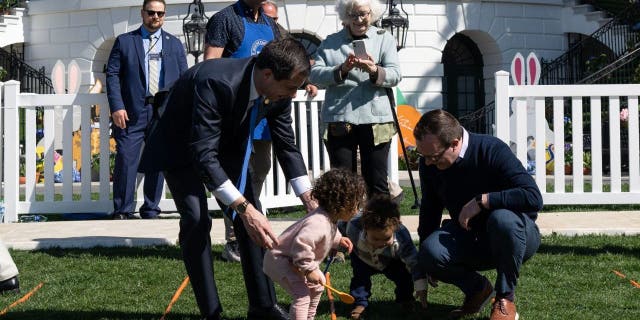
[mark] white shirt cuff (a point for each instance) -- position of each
(227, 193)
(300, 185)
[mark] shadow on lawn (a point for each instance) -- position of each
(88, 242)
(434, 312)
(588, 251)
(380, 310)
(163, 252)
(386, 310)
(105, 314)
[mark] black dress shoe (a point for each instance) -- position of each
(10, 285)
(120, 216)
(274, 313)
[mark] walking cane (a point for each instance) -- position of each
(392, 103)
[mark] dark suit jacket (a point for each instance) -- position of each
(204, 121)
(126, 84)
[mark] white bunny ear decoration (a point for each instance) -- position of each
(533, 68)
(57, 77)
(73, 77)
(517, 69)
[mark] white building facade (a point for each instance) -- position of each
(453, 47)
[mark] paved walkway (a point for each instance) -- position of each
(108, 233)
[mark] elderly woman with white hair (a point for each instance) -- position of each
(356, 113)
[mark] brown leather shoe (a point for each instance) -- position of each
(474, 303)
(503, 309)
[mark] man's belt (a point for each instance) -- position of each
(148, 100)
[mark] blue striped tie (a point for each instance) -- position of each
(242, 183)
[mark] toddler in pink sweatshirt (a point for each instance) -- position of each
(295, 262)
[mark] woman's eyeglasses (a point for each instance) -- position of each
(359, 15)
(152, 13)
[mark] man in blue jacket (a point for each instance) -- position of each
(493, 204)
(141, 62)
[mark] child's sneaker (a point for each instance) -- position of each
(357, 312)
(339, 258)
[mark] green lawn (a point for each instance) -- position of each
(570, 278)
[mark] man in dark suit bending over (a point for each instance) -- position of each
(200, 140)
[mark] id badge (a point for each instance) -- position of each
(155, 56)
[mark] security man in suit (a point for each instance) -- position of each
(200, 140)
(141, 62)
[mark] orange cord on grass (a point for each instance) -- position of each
(21, 300)
(332, 307)
(621, 275)
(176, 296)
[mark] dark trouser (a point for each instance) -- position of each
(361, 281)
(453, 255)
(343, 152)
(195, 241)
(128, 145)
(190, 198)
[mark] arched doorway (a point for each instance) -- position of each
(310, 42)
(463, 83)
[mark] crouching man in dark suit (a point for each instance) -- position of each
(200, 140)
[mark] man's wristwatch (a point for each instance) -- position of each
(479, 202)
(242, 207)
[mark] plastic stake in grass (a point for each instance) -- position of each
(21, 300)
(176, 296)
(621, 275)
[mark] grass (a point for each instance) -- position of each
(569, 278)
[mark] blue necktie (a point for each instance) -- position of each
(242, 183)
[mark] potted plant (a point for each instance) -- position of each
(6, 5)
(586, 162)
(95, 165)
(568, 159)
(23, 170)
(3, 73)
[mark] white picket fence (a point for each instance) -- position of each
(76, 197)
(600, 186)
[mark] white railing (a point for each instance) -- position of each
(89, 196)
(602, 185)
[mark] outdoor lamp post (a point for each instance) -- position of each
(195, 29)
(396, 23)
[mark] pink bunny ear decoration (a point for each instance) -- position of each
(517, 69)
(73, 77)
(533, 68)
(57, 77)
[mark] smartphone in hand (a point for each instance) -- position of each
(359, 49)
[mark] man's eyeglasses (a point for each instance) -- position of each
(152, 13)
(359, 15)
(434, 157)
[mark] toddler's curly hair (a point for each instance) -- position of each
(380, 213)
(338, 191)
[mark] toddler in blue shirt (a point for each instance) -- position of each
(383, 245)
